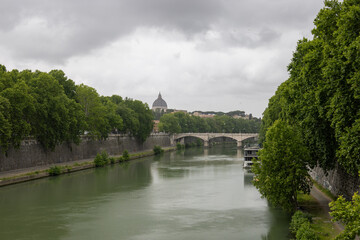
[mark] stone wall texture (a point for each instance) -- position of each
(337, 181)
(32, 154)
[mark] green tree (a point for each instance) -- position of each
(347, 212)
(131, 122)
(144, 116)
(21, 111)
(56, 118)
(5, 125)
(281, 171)
(97, 124)
(114, 120)
(185, 122)
(322, 95)
(169, 123)
(68, 84)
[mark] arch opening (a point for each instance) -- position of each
(190, 141)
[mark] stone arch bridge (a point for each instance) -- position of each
(206, 137)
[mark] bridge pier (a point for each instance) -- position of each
(239, 144)
(206, 144)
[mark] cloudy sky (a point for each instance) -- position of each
(219, 55)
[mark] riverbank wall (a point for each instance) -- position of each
(337, 181)
(32, 154)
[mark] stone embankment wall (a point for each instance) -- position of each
(32, 154)
(337, 181)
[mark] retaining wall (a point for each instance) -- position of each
(32, 154)
(337, 181)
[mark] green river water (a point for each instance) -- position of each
(188, 195)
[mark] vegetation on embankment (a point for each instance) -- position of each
(321, 223)
(77, 166)
(319, 106)
(52, 109)
(321, 98)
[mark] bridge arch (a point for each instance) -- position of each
(183, 139)
(206, 137)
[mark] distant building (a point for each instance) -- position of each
(246, 117)
(200, 114)
(159, 104)
(156, 126)
(179, 110)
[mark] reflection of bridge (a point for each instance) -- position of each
(206, 137)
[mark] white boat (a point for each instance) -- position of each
(249, 154)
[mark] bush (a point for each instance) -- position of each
(300, 226)
(112, 160)
(199, 142)
(298, 219)
(101, 159)
(157, 150)
(126, 155)
(54, 171)
(305, 232)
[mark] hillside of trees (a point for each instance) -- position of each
(321, 98)
(52, 109)
(180, 122)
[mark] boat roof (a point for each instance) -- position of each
(252, 148)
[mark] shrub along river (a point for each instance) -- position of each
(192, 194)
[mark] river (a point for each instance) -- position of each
(193, 194)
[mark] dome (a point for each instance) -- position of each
(159, 103)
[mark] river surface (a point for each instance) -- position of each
(188, 195)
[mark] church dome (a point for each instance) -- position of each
(159, 103)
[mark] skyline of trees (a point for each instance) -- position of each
(180, 122)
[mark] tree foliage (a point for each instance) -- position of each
(347, 212)
(322, 95)
(169, 123)
(144, 117)
(52, 109)
(281, 171)
(182, 122)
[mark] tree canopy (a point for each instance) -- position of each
(52, 109)
(182, 122)
(348, 213)
(322, 95)
(281, 171)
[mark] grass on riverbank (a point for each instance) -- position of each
(323, 190)
(324, 228)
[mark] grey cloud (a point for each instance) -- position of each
(93, 24)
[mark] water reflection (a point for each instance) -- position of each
(248, 178)
(196, 194)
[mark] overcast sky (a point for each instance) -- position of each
(219, 55)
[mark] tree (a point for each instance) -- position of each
(56, 118)
(144, 116)
(131, 123)
(97, 124)
(322, 95)
(5, 126)
(169, 123)
(349, 213)
(68, 84)
(281, 171)
(21, 111)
